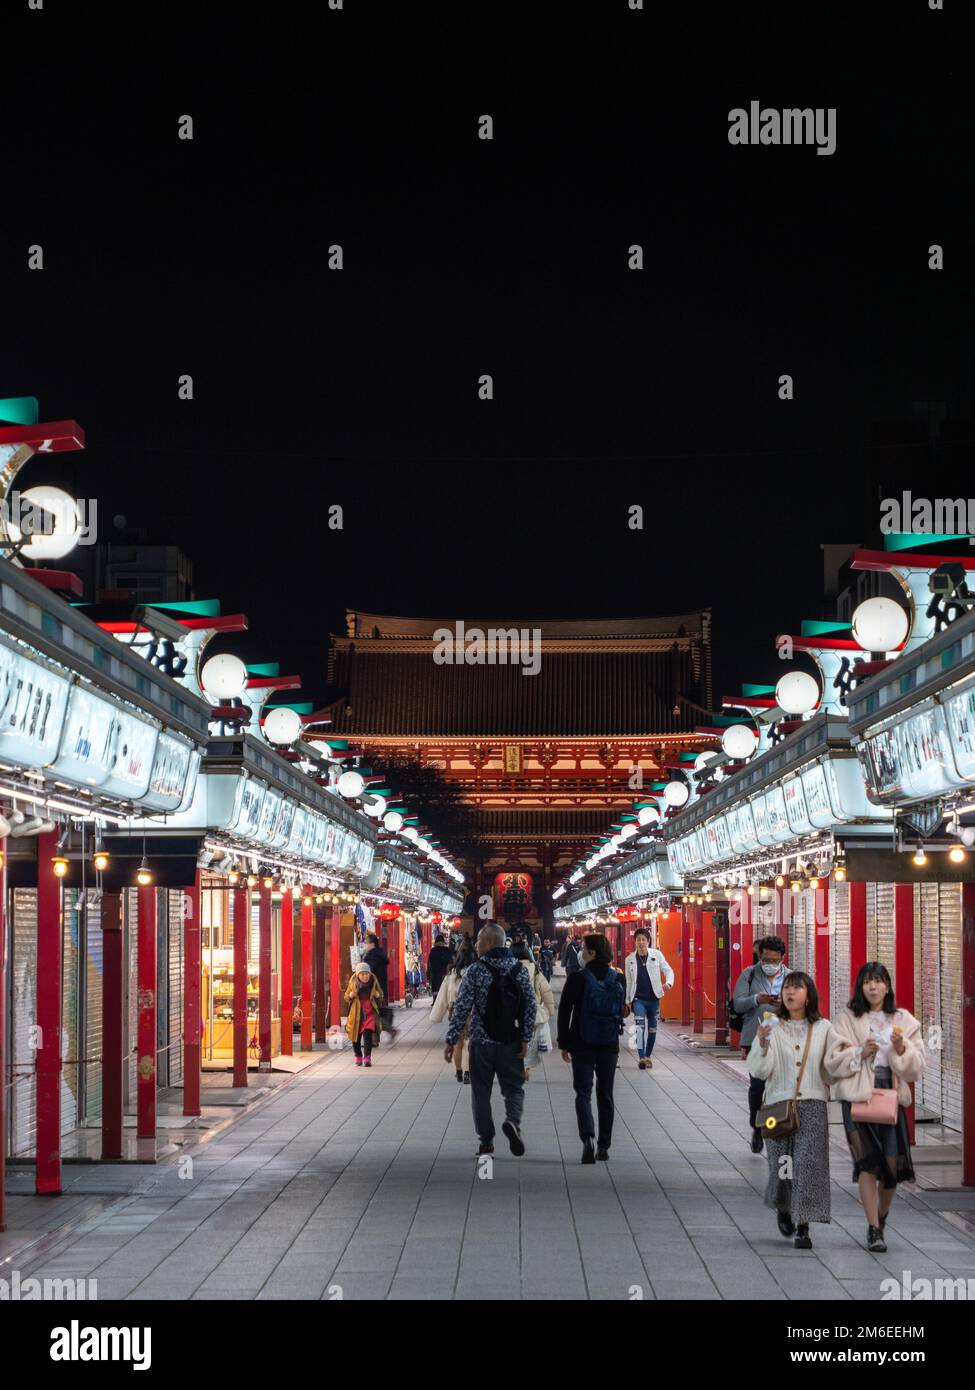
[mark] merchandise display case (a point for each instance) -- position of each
(218, 1006)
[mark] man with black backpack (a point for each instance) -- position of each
(590, 1023)
(496, 994)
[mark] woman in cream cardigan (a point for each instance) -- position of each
(876, 1045)
(443, 1005)
(798, 1167)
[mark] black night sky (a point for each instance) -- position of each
(612, 387)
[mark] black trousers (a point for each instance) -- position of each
(756, 1094)
(601, 1064)
(363, 1047)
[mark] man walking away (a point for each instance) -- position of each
(438, 963)
(377, 961)
(571, 958)
(590, 1022)
(497, 996)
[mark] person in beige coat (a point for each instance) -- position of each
(443, 1005)
(544, 1000)
(876, 1046)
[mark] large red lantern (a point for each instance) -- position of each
(436, 918)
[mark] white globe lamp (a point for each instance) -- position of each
(63, 512)
(880, 625)
(392, 820)
(797, 692)
(282, 725)
(676, 793)
(739, 741)
(224, 676)
(350, 784)
(648, 815)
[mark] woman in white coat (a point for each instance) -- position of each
(443, 1005)
(544, 1003)
(876, 1046)
(789, 1053)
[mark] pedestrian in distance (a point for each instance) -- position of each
(544, 1003)
(788, 1053)
(590, 1020)
(497, 1004)
(572, 956)
(757, 992)
(378, 962)
(648, 976)
(877, 1050)
(365, 1013)
(443, 1005)
(438, 963)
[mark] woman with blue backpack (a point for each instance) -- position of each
(589, 1025)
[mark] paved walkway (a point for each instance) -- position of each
(364, 1185)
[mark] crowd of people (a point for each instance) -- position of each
(495, 995)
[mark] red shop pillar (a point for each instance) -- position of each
(427, 938)
(242, 908)
(783, 919)
(698, 929)
(192, 1016)
(858, 929)
(3, 1036)
(820, 905)
(735, 963)
(287, 966)
(264, 977)
(113, 978)
(968, 1033)
(401, 956)
(306, 968)
(48, 1061)
(145, 1125)
(904, 964)
(392, 949)
(335, 967)
(687, 962)
(322, 938)
(747, 927)
(719, 920)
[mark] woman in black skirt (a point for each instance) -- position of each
(876, 1046)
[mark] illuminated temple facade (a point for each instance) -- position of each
(546, 760)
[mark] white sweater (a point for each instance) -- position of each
(779, 1066)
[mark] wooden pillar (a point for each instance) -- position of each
(697, 921)
(747, 928)
(242, 911)
(264, 977)
(113, 995)
(968, 1033)
(323, 917)
(858, 929)
(145, 1127)
(192, 1013)
(400, 925)
(3, 1033)
(904, 964)
(687, 963)
(307, 935)
(48, 1060)
(287, 965)
(719, 919)
(735, 963)
(820, 973)
(335, 966)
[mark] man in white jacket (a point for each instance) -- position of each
(647, 976)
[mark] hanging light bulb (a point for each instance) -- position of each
(268, 881)
(60, 865)
(233, 876)
(920, 858)
(839, 873)
(144, 874)
(780, 880)
(251, 880)
(751, 890)
(814, 882)
(956, 854)
(795, 885)
(100, 856)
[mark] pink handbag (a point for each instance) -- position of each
(880, 1109)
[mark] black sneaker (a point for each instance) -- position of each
(875, 1241)
(467, 1078)
(485, 1149)
(513, 1135)
(588, 1151)
(460, 1076)
(758, 1141)
(786, 1225)
(602, 1152)
(802, 1241)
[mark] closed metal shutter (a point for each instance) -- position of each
(162, 988)
(94, 976)
(799, 949)
(928, 995)
(130, 905)
(951, 1004)
(809, 913)
(71, 1052)
(885, 952)
(871, 911)
(23, 1017)
(839, 952)
(175, 897)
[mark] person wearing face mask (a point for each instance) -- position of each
(757, 992)
(648, 975)
(877, 1048)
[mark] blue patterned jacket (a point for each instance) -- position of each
(474, 989)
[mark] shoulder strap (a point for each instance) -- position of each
(805, 1054)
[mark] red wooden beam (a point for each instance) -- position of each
(335, 968)
(233, 622)
(287, 966)
(51, 437)
(61, 581)
(886, 560)
(242, 903)
(264, 977)
(306, 967)
(274, 683)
